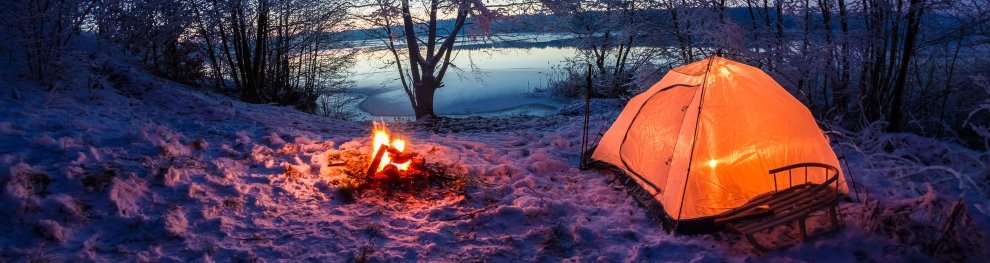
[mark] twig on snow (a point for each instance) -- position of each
(469, 214)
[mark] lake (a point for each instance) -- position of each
(490, 78)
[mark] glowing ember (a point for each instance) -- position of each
(381, 136)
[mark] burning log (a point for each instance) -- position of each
(376, 160)
(399, 156)
(395, 156)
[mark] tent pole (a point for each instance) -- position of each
(587, 116)
(694, 138)
(842, 156)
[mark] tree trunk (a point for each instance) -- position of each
(842, 85)
(754, 31)
(425, 93)
(682, 42)
(781, 50)
(210, 50)
(830, 78)
(915, 9)
(260, 44)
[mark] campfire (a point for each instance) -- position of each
(389, 157)
(391, 169)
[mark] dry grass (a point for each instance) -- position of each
(35, 183)
(927, 225)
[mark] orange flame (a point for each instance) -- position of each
(381, 136)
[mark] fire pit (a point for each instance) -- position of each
(392, 169)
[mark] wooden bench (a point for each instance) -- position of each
(795, 203)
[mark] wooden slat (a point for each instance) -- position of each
(805, 197)
(763, 200)
(755, 212)
(780, 219)
(794, 212)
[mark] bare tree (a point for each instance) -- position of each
(288, 52)
(425, 43)
(610, 36)
(44, 28)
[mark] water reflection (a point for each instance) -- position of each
(485, 81)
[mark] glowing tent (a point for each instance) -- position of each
(702, 140)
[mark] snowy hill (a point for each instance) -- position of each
(123, 166)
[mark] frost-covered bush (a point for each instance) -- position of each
(567, 83)
(336, 105)
(981, 112)
(910, 161)
(43, 29)
(571, 81)
(930, 223)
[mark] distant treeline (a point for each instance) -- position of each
(657, 18)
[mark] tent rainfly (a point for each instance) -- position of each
(702, 140)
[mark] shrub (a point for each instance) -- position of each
(571, 81)
(25, 182)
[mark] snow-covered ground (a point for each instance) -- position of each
(123, 166)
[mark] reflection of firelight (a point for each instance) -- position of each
(712, 163)
(380, 136)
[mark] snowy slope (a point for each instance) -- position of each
(125, 166)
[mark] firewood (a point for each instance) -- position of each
(399, 157)
(373, 167)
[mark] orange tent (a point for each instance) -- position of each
(702, 140)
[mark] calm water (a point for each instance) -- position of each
(486, 81)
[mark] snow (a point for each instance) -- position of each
(125, 194)
(149, 170)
